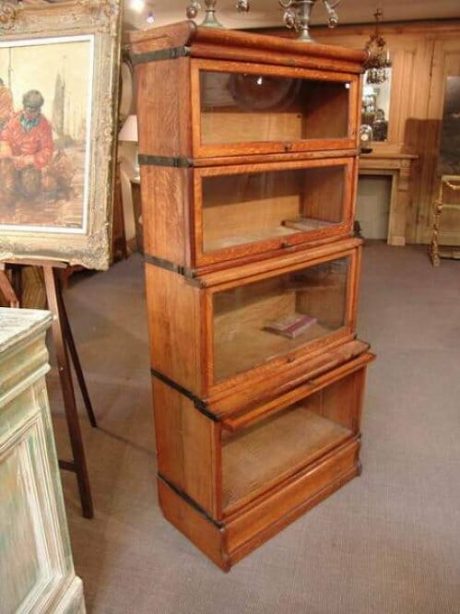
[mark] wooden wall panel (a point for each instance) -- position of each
(446, 62)
(423, 53)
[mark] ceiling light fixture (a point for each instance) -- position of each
(297, 14)
(210, 20)
(378, 61)
(137, 5)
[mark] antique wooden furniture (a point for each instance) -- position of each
(66, 353)
(36, 567)
(449, 200)
(248, 150)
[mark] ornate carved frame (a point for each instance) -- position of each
(101, 20)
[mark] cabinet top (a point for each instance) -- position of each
(188, 39)
(18, 324)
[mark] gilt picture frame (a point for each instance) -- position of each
(59, 68)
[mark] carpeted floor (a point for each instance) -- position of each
(388, 542)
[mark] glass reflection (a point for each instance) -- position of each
(265, 319)
(246, 107)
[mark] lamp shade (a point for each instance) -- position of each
(128, 131)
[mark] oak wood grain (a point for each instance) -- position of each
(270, 47)
(186, 446)
(252, 427)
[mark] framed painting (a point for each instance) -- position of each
(59, 67)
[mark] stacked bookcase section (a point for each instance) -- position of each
(248, 150)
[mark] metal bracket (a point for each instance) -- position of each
(147, 160)
(200, 405)
(183, 495)
(162, 54)
(171, 266)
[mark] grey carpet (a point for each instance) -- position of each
(388, 542)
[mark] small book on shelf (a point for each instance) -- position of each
(290, 326)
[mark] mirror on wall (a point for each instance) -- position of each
(449, 149)
(375, 107)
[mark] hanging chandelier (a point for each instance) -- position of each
(210, 20)
(297, 15)
(378, 61)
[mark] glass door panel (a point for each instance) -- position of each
(252, 107)
(245, 208)
(262, 320)
(258, 457)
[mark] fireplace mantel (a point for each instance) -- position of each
(399, 167)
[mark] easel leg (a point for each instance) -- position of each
(75, 359)
(7, 289)
(58, 327)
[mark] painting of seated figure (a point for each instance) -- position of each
(57, 119)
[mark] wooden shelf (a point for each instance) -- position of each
(274, 449)
(241, 314)
(303, 225)
(248, 349)
(306, 224)
(250, 237)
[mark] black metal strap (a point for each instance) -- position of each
(147, 160)
(200, 405)
(161, 54)
(183, 495)
(189, 274)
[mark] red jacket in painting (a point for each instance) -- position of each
(36, 142)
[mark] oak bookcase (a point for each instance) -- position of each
(248, 151)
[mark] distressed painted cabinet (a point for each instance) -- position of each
(36, 568)
(248, 154)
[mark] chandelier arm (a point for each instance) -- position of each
(333, 17)
(193, 9)
(297, 14)
(210, 8)
(243, 6)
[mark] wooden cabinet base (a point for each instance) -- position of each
(226, 542)
(73, 601)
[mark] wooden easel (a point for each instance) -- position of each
(64, 345)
